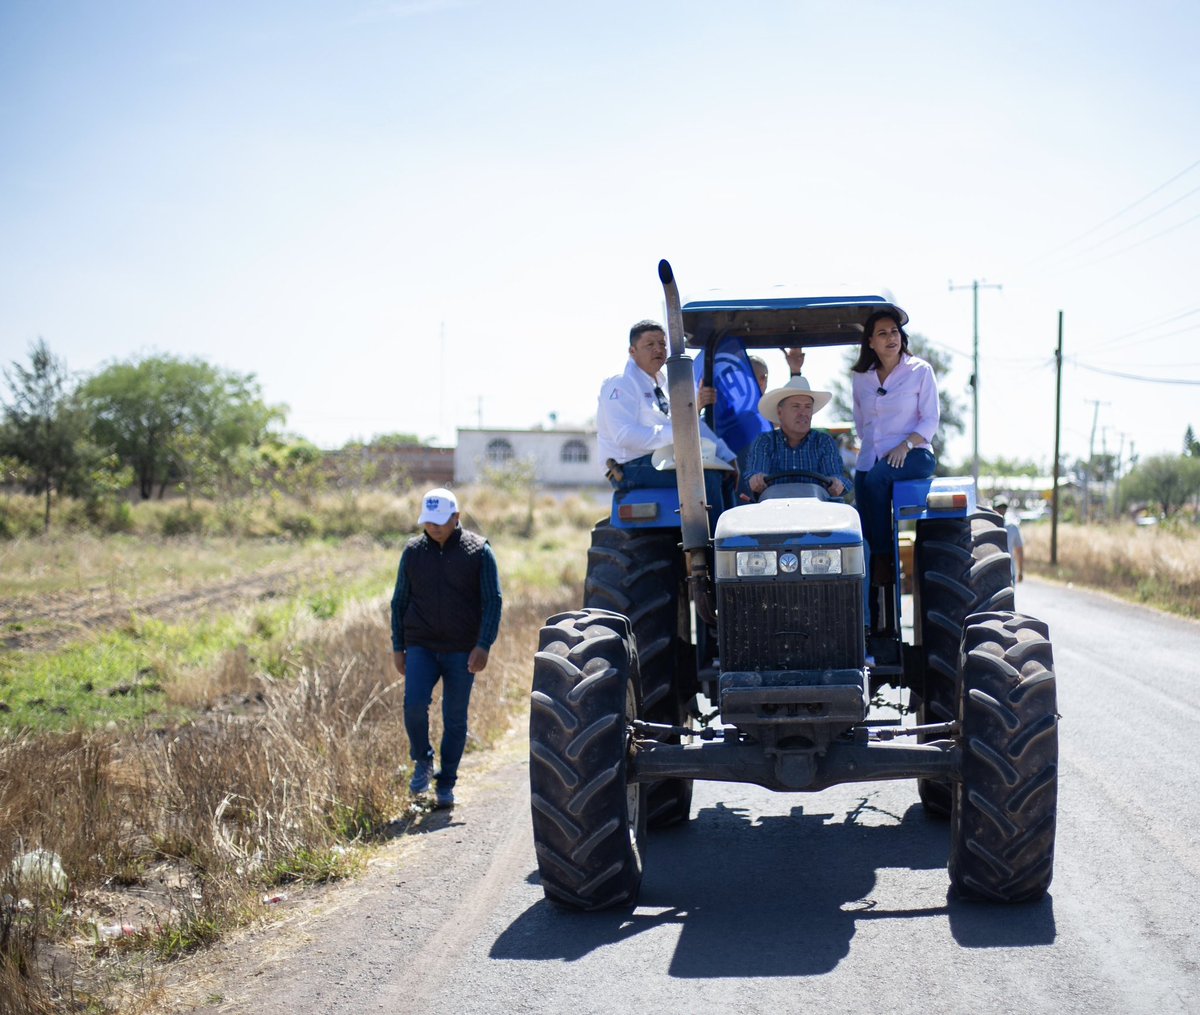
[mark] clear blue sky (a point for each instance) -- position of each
(413, 216)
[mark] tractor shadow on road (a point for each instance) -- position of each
(782, 898)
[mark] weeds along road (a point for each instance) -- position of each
(771, 902)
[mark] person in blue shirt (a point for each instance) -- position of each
(445, 617)
(795, 445)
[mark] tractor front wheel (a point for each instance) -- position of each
(640, 574)
(1003, 820)
(962, 568)
(588, 819)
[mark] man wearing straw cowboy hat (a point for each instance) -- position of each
(795, 445)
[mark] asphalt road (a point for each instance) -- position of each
(834, 901)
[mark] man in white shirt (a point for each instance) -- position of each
(633, 417)
(1016, 544)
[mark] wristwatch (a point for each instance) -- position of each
(909, 445)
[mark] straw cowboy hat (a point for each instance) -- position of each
(768, 405)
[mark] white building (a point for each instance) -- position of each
(560, 457)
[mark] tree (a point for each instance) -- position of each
(382, 441)
(174, 420)
(294, 463)
(1001, 466)
(951, 408)
(1191, 446)
(43, 427)
(1168, 481)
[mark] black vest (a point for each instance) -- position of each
(445, 608)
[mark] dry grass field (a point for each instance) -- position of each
(176, 824)
(1158, 566)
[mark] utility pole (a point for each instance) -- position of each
(1116, 497)
(1058, 361)
(1087, 476)
(975, 286)
(1106, 464)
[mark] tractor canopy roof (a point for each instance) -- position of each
(783, 322)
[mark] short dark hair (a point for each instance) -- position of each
(866, 355)
(639, 329)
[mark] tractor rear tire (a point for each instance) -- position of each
(588, 819)
(640, 573)
(963, 567)
(1003, 821)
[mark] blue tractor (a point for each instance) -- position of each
(744, 655)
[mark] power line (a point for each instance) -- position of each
(1170, 366)
(949, 348)
(1144, 365)
(1134, 225)
(1148, 327)
(1151, 339)
(1022, 362)
(1133, 377)
(1113, 218)
(1132, 246)
(992, 358)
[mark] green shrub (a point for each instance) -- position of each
(110, 516)
(20, 516)
(299, 526)
(181, 520)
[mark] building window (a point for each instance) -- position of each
(574, 451)
(499, 451)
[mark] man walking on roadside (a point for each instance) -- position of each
(1016, 544)
(445, 616)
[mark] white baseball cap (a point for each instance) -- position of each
(437, 507)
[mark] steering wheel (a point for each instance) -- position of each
(801, 474)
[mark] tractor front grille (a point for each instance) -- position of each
(790, 625)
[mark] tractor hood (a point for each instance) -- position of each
(802, 521)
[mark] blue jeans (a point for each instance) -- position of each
(873, 498)
(422, 670)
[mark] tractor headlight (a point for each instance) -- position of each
(828, 561)
(756, 563)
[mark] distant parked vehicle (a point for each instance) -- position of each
(1035, 512)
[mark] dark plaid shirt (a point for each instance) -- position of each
(818, 453)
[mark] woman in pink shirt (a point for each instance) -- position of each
(896, 415)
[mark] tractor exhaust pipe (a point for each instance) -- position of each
(689, 469)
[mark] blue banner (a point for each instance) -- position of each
(735, 416)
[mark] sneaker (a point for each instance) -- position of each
(421, 776)
(445, 797)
